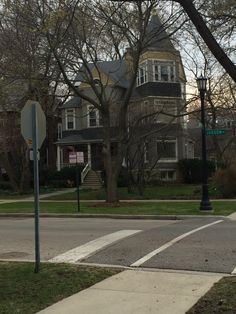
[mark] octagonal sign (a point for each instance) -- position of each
(27, 125)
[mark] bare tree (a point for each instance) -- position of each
(88, 35)
(28, 70)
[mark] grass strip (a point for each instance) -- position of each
(173, 191)
(158, 208)
(23, 291)
(219, 299)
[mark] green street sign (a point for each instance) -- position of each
(215, 132)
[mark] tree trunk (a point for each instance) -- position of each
(208, 38)
(109, 165)
(25, 174)
(112, 196)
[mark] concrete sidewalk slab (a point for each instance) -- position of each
(139, 292)
(232, 216)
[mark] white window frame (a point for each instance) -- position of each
(66, 116)
(167, 178)
(163, 159)
(97, 116)
(170, 64)
(143, 66)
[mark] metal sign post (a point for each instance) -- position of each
(36, 186)
(33, 129)
(77, 181)
(77, 158)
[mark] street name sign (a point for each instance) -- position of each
(215, 132)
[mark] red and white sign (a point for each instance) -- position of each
(76, 157)
(80, 157)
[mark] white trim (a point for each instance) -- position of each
(170, 243)
(144, 66)
(89, 154)
(58, 158)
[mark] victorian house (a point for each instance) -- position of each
(158, 104)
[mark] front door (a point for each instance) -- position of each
(96, 157)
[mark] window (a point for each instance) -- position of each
(168, 175)
(163, 71)
(94, 118)
(167, 150)
(142, 74)
(70, 119)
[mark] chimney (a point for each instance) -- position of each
(129, 61)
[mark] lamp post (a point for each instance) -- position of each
(205, 204)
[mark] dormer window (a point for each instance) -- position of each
(93, 117)
(142, 74)
(70, 119)
(163, 71)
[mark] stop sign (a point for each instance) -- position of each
(26, 123)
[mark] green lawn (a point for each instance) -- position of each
(171, 191)
(23, 291)
(14, 195)
(157, 208)
(220, 299)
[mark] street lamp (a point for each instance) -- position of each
(205, 204)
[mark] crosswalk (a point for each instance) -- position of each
(170, 243)
(84, 251)
(146, 248)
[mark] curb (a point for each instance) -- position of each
(111, 216)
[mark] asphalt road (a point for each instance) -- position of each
(207, 244)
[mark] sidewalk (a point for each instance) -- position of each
(139, 292)
(41, 196)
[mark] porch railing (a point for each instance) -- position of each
(85, 172)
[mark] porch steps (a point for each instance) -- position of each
(92, 180)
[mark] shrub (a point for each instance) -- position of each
(5, 185)
(123, 178)
(64, 178)
(225, 180)
(191, 170)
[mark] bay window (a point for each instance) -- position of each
(163, 71)
(142, 74)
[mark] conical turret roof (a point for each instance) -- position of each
(157, 38)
